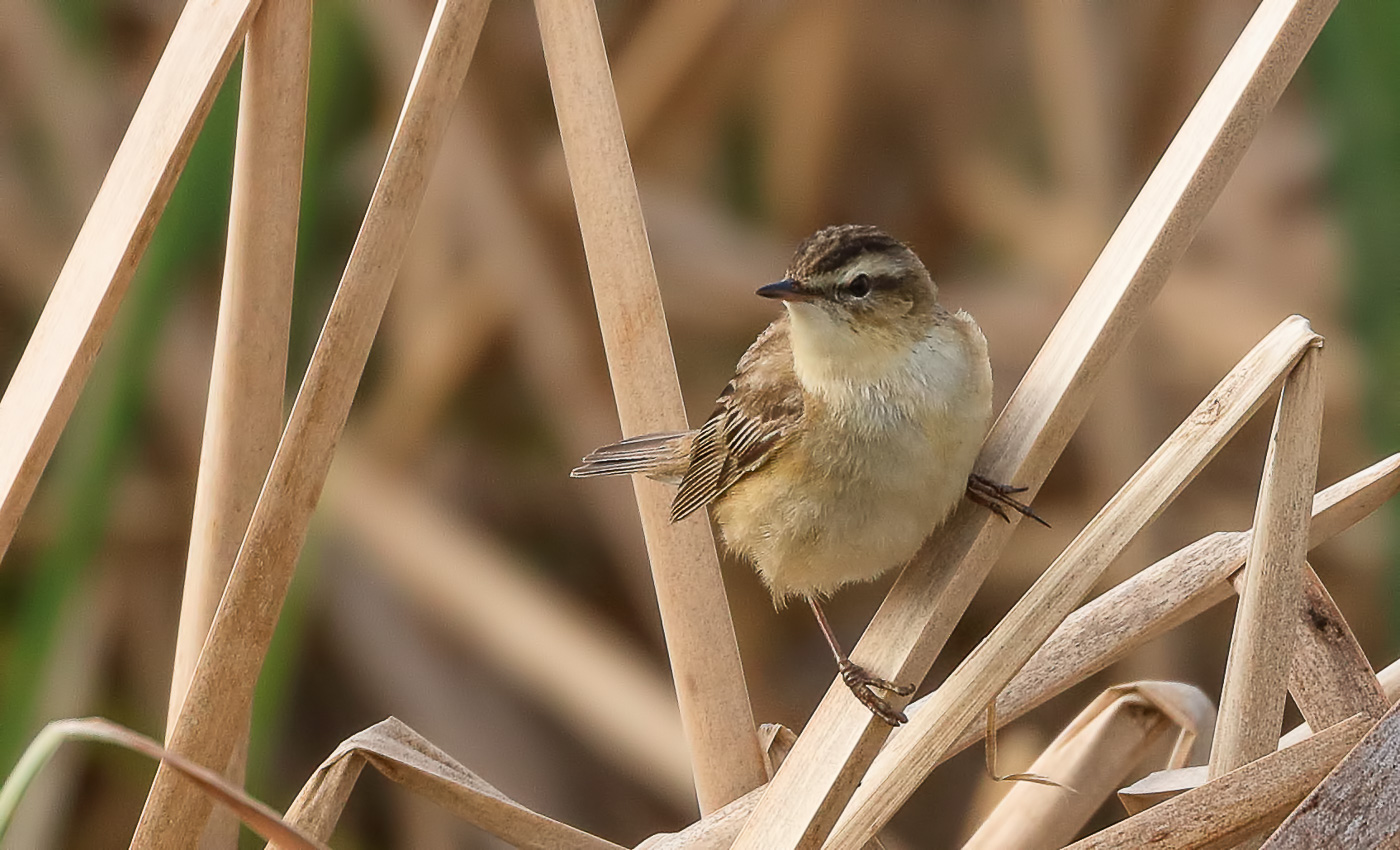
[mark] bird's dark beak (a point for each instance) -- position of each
(787, 290)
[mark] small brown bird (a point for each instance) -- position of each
(846, 435)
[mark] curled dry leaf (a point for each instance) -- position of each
(409, 759)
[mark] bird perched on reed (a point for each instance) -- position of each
(847, 434)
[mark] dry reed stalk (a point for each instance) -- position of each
(586, 674)
(695, 614)
(1261, 648)
(414, 762)
(1090, 758)
(215, 710)
(806, 796)
(906, 760)
(1238, 805)
(1356, 805)
(244, 417)
(60, 353)
(1329, 678)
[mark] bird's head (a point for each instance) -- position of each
(852, 288)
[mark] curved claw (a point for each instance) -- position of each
(996, 497)
(863, 685)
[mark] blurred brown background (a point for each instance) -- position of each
(456, 577)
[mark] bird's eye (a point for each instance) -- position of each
(859, 286)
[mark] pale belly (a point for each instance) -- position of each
(810, 526)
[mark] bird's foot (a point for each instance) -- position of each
(863, 684)
(997, 497)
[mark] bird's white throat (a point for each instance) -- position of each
(834, 360)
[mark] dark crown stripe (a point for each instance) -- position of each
(828, 250)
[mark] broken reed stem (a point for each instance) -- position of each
(1091, 758)
(118, 227)
(906, 760)
(709, 678)
(1237, 805)
(809, 791)
(1261, 649)
(244, 417)
(215, 711)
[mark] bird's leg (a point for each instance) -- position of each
(997, 497)
(861, 682)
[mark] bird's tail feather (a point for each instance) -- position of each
(662, 456)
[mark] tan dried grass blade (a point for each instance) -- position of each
(1356, 805)
(1239, 804)
(220, 694)
(258, 816)
(412, 761)
(904, 763)
(1261, 650)
(1092, 756)
(700, 639)
(806, 796)
(94, 279)
(590, 677)
(244, 418)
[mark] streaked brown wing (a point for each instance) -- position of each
(753, 417)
